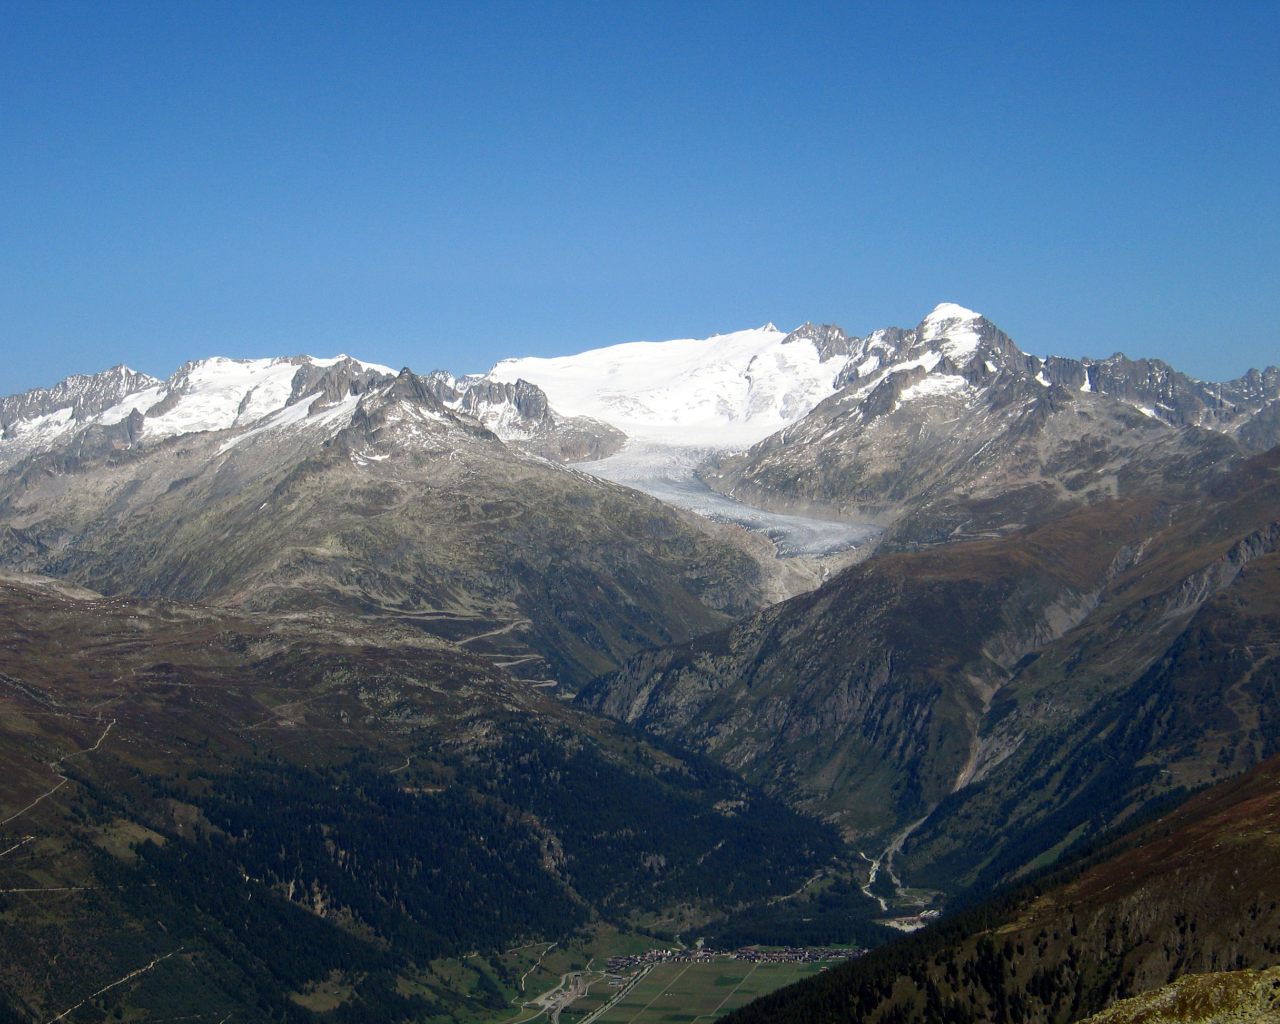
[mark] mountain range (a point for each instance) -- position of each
(849, 630)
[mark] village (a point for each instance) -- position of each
(617, 965)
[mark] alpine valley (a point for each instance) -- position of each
(335, 693)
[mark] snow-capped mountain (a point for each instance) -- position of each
(733, 390)
(950, 429)
(75, 399)
(726, 391)
(822, 421)
(120, 407)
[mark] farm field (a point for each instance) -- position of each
(674, 993)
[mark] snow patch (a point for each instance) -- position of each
(364, 458)
(938, 384)
(46, 426)
(218, 393)
(139, 401)
(944, 313)
(375, 367)
(298, 413)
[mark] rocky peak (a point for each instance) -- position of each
(1164, 393)
(85, 395)
(407, 415)
(869, 354)
(960, 336)
(828, 339)
(421, 391)
(528, 400)
(335, 382)
(444, 386)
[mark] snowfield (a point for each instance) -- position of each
(727, 391)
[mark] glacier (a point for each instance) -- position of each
(669, 473)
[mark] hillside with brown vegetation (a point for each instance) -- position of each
(1193, 892)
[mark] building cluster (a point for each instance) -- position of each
(795, 954)
(706, 955)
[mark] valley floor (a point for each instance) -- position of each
(696, 987)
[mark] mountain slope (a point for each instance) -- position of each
(1227, 997)
(1195, 891)
(369, 494)
(256, 805)
(980, 705)
(950, 430)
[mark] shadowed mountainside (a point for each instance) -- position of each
(1194, 891)
(254, 805)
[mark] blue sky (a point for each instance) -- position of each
(447, 184)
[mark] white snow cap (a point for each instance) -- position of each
(947, 311)
(730, 390)
(218, 393)
(951, 325)
(376, 367)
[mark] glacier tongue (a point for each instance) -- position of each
(668, 473)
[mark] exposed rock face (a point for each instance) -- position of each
(69, 403)
(828, 339)
(527, 400)
(326, 386)
(1263, 430)
(519, 414)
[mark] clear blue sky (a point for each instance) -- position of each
(446, 184)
